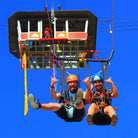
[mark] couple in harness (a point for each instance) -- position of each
(100, 111)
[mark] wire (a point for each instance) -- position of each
(118, 30)
(119, 23)
(107, 20)
(118, 26)
(46, 2)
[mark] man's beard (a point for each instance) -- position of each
(73, 91)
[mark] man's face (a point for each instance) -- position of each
(98, 85)
(73, 86)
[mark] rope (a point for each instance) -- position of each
(103, 77)
(60, 78)
(25, 83)
(64, 83)
(52, 41)
(55, 57)
(78, 73)
(103, 87)
(64, 79)
(46, 2)
(106, 77)
(113, 27)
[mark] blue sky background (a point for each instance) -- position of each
(123, 70)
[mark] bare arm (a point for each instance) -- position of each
(52, 90)
(115, 92)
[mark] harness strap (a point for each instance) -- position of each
(70, 101)
(97, 99)
(78, 73)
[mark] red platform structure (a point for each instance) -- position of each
(72, 33)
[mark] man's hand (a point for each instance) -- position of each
(87, 81)
(53, 81)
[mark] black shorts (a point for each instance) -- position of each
(78, 114)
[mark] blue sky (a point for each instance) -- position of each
(123, 71)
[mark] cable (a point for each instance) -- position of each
(118, 23)
(120, 26)
(118, 30)
(107, 20)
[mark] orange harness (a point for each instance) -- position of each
(102, 99)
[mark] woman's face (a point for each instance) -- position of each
(98, 85)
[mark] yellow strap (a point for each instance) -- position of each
(25, 83)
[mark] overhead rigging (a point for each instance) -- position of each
(70, 42)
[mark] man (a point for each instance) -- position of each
(47, 32)
(71, 111)
(100, 100)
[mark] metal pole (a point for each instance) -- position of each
(64, 79)
(78, 73)
(113, 27)
(60, 78)
(103, 76)
(106, 76)
(64, 83)
(88, 69)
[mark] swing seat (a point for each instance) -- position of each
(101, 118)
